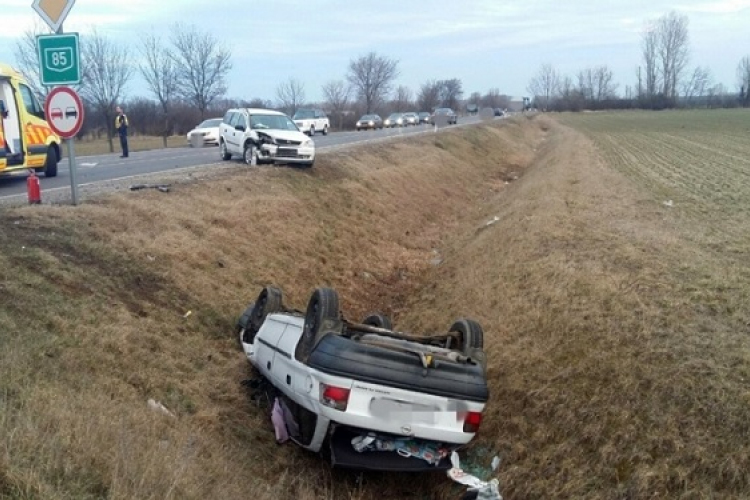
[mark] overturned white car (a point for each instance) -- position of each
(264, 136)
(363, 394)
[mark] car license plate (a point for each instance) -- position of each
(286, 152)
(391, 409)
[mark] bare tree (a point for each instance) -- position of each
(27, 59)
(291, 95)
(494, 99)
(696, 86)
(743, 75)
(428, 97)
(202, 66)
(160, 73)
(586, 84)
(648, 46)
(372, 76)
(451, 92)
(673, 50)
(604, 86)
(544, 85)
(337, 94)
(108, 72)
(403, 100)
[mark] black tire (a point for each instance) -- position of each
(250, 154)
(312, 131)
(378, 321)
(471, 333)
(243, 323)
(270, 300)
(321, 317)
(325, 130)
(223, 153)
(50, 163)
(308, 165)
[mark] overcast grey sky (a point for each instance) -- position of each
(485, 43)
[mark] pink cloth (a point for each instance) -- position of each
(279, 425)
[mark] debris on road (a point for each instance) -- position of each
(187, 314)
(164, 188)
(669, 203)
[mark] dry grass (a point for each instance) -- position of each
(616, 327)
(91, 147)
(96, 295)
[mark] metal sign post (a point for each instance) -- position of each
(62, 66)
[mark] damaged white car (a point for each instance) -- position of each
(363, 394)
(264, 136)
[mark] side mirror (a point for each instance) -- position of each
(3, 109)
(241, 128)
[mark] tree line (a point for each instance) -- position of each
(186, 74)
(663, 79)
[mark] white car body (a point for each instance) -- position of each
(371, 406)
(311, 121)
(206, 133)
(264, 136)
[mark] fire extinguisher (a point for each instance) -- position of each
(33, 189)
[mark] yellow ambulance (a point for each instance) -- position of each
(26, 140)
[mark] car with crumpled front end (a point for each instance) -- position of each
(264, 136)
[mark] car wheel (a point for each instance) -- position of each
(250, 155)
(308, 165)
(321, 317)
(269, 301)
(378, 321)
(242, 330)
(50, 163)
(223, 153)
(325, 130)
(312, 130)
(471, 333)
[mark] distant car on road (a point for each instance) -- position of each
(424, 117)
(472, 109)
(264, 136)
(311, 121)
(367, 122)
(452, 117)
(499, 112)
(208, 130)
(411, 118)
(395, 120)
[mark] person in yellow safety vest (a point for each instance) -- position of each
(121, 125)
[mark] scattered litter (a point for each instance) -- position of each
(367, 276)
(669, 203)
(164, 188)
(187, 314)
(151, 258)
(431, 453)
(485, 490)
(495, 220)
(17, 222)
(436, 262)
(156, 406)
(495, 463)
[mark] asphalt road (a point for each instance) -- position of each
(101, 169)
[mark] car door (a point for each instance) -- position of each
(34, 138)
(225, 129)
(241, 130)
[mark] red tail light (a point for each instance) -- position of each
(473, 421)
(334, 397)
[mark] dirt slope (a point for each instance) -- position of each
(95, 299)
(616, 337)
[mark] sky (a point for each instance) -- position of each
(485, 43)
